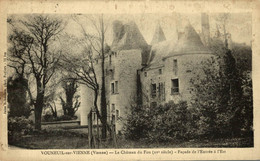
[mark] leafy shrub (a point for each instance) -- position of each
(223, 107)
(138, 123)
(48, 117)
(17, 97)
(170, 121)
(162, 123)
(18, 127)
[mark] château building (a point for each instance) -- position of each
(155, 73)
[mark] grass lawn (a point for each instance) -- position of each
(54, 139)
(63, 139)
(53, 142)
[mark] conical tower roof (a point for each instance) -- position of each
(189, 43)
(127, 37)
(159, 51)
(158, 35)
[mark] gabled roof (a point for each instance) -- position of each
(127, 37)
(189, 43)
(158, 35)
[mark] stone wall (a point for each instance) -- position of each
(126, 65)
(184, 72)
(122, 67)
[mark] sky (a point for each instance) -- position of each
(238, 24)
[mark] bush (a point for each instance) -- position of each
(163, 123)
(17, 97)
(170, 121)
(48, 117)
(223, 106)
(18, 127)
(138, 123)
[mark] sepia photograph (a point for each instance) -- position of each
(129, 80)
(80, 81)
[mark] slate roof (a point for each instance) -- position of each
(189, 42)
(127, 36)
(158, 35)
(159, 51)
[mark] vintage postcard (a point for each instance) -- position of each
(129, 80)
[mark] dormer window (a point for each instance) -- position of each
(145, 74)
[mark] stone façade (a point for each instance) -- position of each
(156, 74)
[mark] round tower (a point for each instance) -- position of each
(187, 56)
(171, 67)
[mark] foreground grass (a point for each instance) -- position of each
(63, 139)
(53, 139)
(54, 142)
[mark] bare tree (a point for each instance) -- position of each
(222, 20)
(36, 56)
(49, 102)
(51, 93)
(19, 43)
(82, 70)
(97, 44)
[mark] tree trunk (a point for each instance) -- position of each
(38, 110)
(103, 110)
(96, 109)
(103, 88)
(54, 110)
(69, 101)
(139, 88)
(70, 109)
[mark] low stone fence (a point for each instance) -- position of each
(72, 125)
(61, 124)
